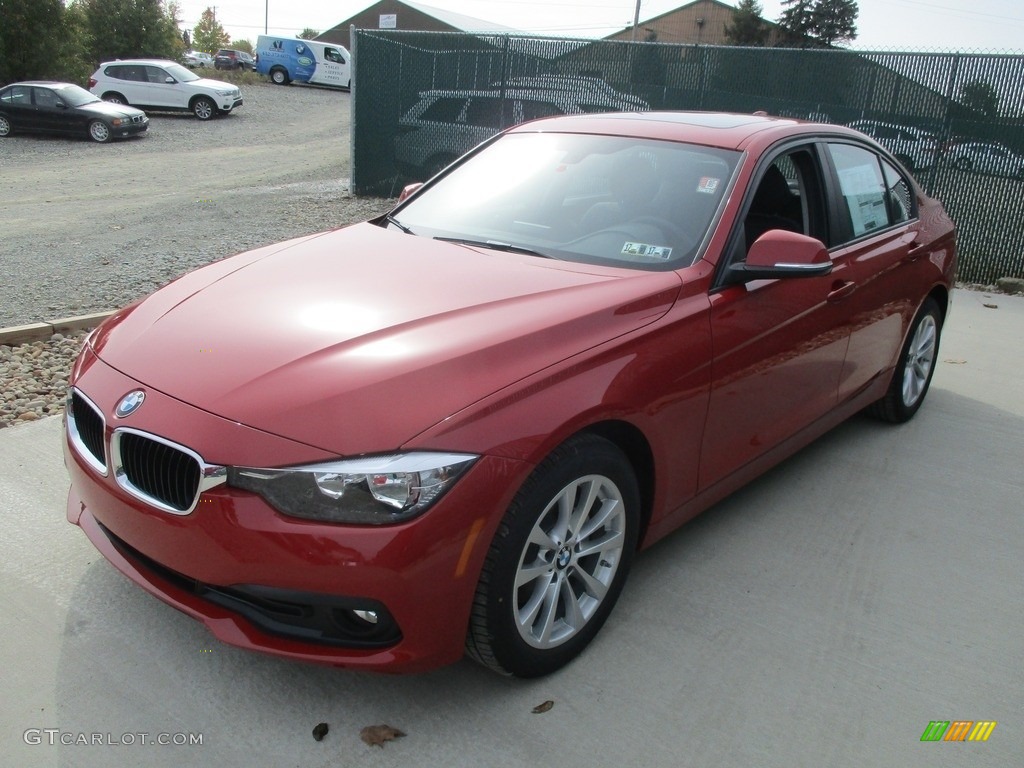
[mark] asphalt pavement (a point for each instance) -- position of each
(825, 615)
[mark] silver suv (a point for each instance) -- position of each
(914, 148)
(444, 125)
(159, 84)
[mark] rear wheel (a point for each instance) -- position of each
(203, 108)
(913, 374)
(558, 561)
(115, 98)
(278, 76)
(5, 126)
(99, 131)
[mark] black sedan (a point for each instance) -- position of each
(51, 107)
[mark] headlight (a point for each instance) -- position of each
(228, 92)
(376, 490)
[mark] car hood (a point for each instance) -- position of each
(358, 339)
(106, 109)
(206, 82)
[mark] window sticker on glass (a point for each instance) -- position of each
(707, 185)
(649, 251)
(864, 198)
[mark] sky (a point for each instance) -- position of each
(981, 26)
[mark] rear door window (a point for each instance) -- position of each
(873, 199)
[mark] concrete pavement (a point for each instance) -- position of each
(822, 616)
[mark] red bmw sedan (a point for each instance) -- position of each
(449, 430)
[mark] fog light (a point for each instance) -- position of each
(370, 617)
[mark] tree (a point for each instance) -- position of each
(129, 28)
(747, 27)
(30, 33)
(208, 34)
(814, 23)
(980, 96)
(796, 21)
(308, 34)
(834, 21)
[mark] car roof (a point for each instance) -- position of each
(138, 61)
(45, 83)
(727, 130)
(519, 92)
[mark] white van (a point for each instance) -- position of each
(287, 59)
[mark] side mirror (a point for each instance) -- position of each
(779, 254)
(170, 80)
(409, 191)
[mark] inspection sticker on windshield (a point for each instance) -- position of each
(707, 185)
(650, 251)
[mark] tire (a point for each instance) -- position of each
(203, 108)
(99, 131)
(115, 98)
(5, 126)
(278, 76)
(539, 601)
(914, 369)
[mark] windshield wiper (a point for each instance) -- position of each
(392, 220)
(495, 245)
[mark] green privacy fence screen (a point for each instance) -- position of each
(423, 98)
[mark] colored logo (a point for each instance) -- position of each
(129, 403)
(958, 730)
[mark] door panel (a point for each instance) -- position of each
(777, 363)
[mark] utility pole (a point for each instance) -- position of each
(636, 18)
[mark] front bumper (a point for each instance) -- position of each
(242, 568)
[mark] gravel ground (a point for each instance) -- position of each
(86, 227)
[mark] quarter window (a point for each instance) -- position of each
(899, 195)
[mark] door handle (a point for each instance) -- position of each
(914, 248)
(840, 291)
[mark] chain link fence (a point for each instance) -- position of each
(421, 99)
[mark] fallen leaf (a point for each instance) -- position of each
(376, 735)
(955, 362)
(320, 731)
(991, 306)
(542, 708)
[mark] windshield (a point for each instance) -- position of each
(615, 200)
(76, 96)
(180, 73)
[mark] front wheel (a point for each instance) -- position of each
(99, 131)
(203, 108)
(558, 560)
(914, 368)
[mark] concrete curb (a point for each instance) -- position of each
(20, 334)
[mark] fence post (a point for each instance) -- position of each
(504, 79)
(353, 39)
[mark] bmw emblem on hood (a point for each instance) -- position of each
(129, 403)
